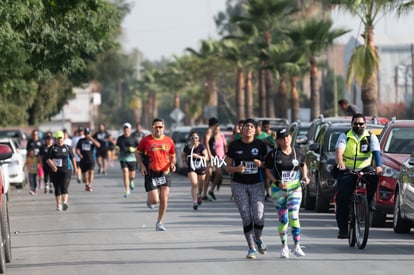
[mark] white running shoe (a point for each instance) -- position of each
(299, 252)
(285, 252)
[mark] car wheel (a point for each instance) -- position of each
(2, 253)
(5, 228)
(321, 202)
(400, 225)
(378, 219)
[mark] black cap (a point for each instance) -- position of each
(252, 121)
(281, 133)
(49, 135)
(212, 121)
(87, 131)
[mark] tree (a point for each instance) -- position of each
(262, 20)
(48, 41)
(364, 63)
(311, 37)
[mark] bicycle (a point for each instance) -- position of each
(359, 217)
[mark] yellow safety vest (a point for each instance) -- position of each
(357, 154)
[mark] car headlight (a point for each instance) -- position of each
(390, 172)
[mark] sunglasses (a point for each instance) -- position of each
(359, 124)
(157, 127)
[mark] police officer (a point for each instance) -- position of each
(355, 150)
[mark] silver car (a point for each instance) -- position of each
(404, 198)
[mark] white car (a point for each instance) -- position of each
(180, 137)
(17, 175)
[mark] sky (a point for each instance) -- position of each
(163, 28)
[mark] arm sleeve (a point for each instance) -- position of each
(377, 158)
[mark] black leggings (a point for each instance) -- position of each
(61, 181)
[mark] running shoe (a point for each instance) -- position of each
(78, 180)
(206, 198)
(59, 207)
(65, 206)
(195, 206)
(127, 194)
(199, 200)
(132, 185)
(150, 206)
(285, 253)
(45, 191)
(261, 247)
(159, 227)
(88, 188)
(211, 194)
(251, 254)
(31, 192)
(299, 252)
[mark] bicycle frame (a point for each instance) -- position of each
(359, 217)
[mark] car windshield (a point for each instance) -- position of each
(400, 141)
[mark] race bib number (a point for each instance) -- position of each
(289, 176)
(57, 162)
(250, 167)
(86, 147)
(159, 181)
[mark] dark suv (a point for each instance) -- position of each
(320, 159)
(397, 143)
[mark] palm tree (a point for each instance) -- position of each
(262, 19)
(364, 63)
(311, 38)
(209, 56)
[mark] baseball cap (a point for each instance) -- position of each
(49, 135)
(59, 134)
(281, 133)
(127, 125)
(87, 131)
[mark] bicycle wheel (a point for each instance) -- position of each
(351, 225)
(361, 221)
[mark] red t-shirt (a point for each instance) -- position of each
(158, 151)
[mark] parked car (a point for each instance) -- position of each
(299, 130)
(5, 248)
(320, 159)
(17, 176)
(180, 137)
(316, 124)
(404, 198)
(20, 136)
(397, 143)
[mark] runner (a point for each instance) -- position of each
(62, 162)
(156, 157)
(102, 136)
(48, 185)
(126, 145)
(194, 158)
(78, 135)
(244, 161)
(86, 149)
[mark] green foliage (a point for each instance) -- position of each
(44, 42)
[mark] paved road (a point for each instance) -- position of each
(104, 233)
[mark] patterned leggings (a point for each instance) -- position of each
(249, 200)
(287, 205)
